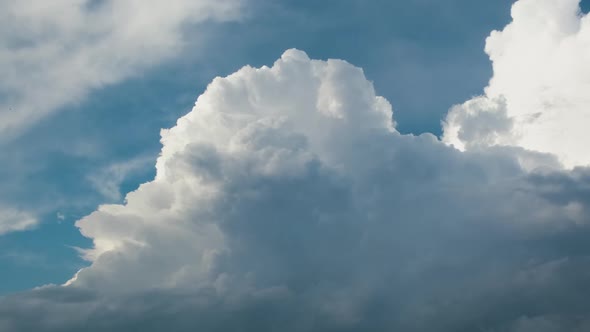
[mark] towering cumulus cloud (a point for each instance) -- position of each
(538, 98)
(287, 201)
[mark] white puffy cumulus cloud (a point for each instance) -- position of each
(296, 120)
(538, 97)
(14, 220)
(286, 200)
(53, 53)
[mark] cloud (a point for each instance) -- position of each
(538, 96)
(287, 200)
(13, 220)
(108, 180)
(54, 53)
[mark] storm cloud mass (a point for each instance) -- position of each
(286, 200)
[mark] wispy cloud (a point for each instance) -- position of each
(107, 180)
(54, 53)
(13, 220)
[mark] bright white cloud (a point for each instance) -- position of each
(538, 97)
(52, 53)
(13, 220)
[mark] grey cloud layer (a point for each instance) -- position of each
(287, 201)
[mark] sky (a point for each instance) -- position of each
(244, 165)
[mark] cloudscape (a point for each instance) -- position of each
(293, 196)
